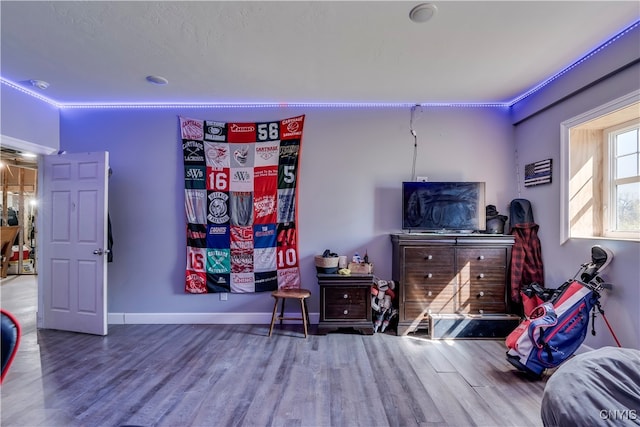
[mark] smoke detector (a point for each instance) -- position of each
(40, 84)
(423, 12)
(157, 80)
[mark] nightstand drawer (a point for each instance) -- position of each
(345, 303)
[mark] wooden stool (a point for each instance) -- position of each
(284, 294)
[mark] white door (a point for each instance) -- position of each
(73, 267)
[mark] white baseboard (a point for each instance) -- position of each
(200, 318)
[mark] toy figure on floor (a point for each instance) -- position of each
(382, 304)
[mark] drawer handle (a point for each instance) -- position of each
(481, 276)
(345, 312)
(429, 294)
(481, 257)
(429, 276)
(345, 296)
(481, 311)
(429, 257)
(480, 294)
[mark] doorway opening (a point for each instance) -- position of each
(18, 212)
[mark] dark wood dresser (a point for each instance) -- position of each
(453, 279)
(345, 302)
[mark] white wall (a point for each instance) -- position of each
(28, 123)
(537, 137)
(353, 163)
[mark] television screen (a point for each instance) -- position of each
(443, 206)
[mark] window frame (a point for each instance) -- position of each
(609, 220)
(565, 164)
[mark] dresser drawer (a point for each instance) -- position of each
(418, 311)
(482, 257)
(428, 293)
(481, 276)
(435, 256)
(429, 265)
(481, 298)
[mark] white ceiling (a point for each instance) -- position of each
(299, 51)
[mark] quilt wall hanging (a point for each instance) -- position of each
(240, 187)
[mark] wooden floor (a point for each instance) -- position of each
(234, 375)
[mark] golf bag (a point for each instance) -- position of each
(557, 324)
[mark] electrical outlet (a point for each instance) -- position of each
(423, 178)
(223, 296)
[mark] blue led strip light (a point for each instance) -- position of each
(29, 92)
(327, 104)
(285, 105)
(575, 64)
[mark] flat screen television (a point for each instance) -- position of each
(443, 207)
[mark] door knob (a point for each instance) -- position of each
(100, 251)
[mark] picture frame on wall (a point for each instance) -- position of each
(538, 173)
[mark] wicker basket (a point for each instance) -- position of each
(327, 265)
(326, 262)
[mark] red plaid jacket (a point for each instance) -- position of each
(526, 258)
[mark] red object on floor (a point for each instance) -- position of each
(16, 253)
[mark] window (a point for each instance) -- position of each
(623, 189)
(600, 172)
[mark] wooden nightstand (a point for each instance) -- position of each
(345, 302)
